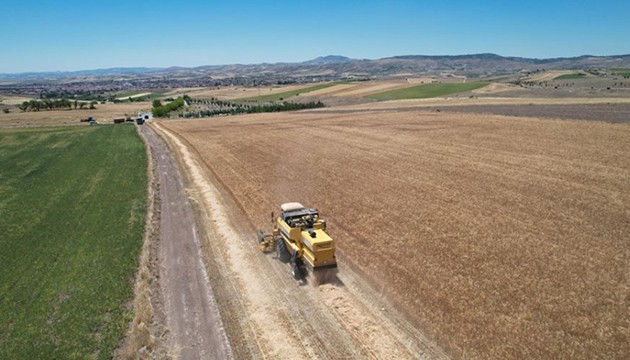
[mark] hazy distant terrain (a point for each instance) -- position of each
(337, 67)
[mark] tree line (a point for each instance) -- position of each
(230, 108)
(160, 110)
(59, 104)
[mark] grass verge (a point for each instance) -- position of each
(427, 91)
(72, 213)
(622, 72)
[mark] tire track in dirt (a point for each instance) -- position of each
(284, 318)
(192, 317)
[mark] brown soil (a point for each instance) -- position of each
(606, 112)
(503, 237)
(419, 104)
(612, 113)
(266, 313)
(195, 329)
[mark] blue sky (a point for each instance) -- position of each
(74, 35)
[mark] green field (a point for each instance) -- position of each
(287, 94)
(622, 72)
(570, 76)
(72, 210)
(427, 91)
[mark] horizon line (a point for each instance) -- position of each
(296, 62)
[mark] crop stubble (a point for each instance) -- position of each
(500, 236)
(332, 322)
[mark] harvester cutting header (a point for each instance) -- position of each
(299, 237)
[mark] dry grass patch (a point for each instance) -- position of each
(13, 100)
(104, 113)
(374, 87)
(503, 237)
(233, 92)
(333, 90)
(360, 89)
(547, 75)
(494, 88)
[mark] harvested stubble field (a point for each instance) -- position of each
(104, 113)
(611, 112)
(502, 237)
(235, 92)
(287, 94)
(363, 88)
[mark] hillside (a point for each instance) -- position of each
(341, 66)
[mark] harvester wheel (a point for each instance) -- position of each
(295, 266)
(295, 271)
(281, 250)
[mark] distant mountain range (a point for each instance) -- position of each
(341, 66)
(330, 59)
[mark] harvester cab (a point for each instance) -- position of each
(299, 237)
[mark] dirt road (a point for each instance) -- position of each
(192, 316)
(266, 313)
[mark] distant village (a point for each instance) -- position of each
(104, 89)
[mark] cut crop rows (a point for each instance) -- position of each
(502, 237)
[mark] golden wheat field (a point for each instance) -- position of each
(501, 237)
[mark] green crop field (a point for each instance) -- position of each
(570, 76)
(72, 210)
(427, 91)
(622, 72)
(287, 94)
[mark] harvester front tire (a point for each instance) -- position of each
(281, 250)
(296, 272)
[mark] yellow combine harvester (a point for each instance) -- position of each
(299, 237)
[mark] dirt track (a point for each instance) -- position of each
(267, 314)
(196, 330)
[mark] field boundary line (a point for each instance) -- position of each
(140, 339)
